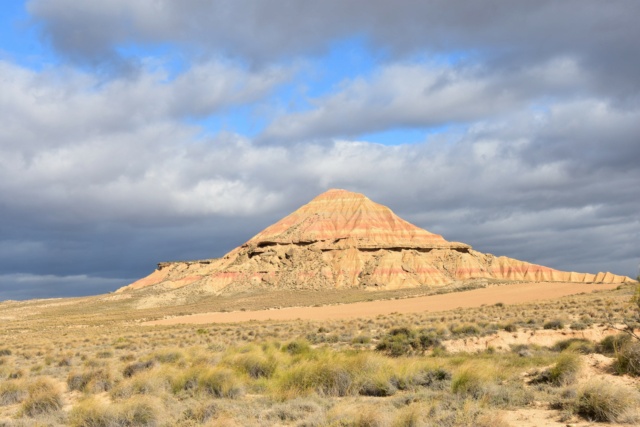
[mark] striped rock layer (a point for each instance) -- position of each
(342, 239)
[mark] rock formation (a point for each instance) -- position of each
(340, 240)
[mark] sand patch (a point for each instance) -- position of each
(511, 294)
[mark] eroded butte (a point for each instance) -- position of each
(342, 239)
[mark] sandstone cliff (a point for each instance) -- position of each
(342, 239)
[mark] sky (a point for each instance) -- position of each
(139, 131)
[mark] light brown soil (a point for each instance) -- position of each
(511, 294)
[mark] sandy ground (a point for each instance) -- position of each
(507, 294)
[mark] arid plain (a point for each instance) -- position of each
(342, 315)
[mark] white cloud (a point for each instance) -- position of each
(425, 95)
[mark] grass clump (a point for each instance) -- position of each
(563, 372)
(134, 368)
(12, 391)
(255, 364)
(554, 324)
(577, 345)
(472, 379)
(297, 347)
(602, 401)
(44, 397)
(140, 411)
(405, 341)
(628, 359)
(220, 382)
(93, 381)
(613, 343)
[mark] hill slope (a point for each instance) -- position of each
(342, 239)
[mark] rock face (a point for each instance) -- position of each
(342, 239)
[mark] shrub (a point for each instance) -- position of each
(256, 365)
(471, 380)
(5, 352)
(297, 347)
(404, 341)
(628, 359)
(563, 372)
(11, 392)
(44, 397)
(468, 329)
(168, 356)
(578, 326)
(613, 343)
(437, 379)
(361, 339)
(602, 401)
(185, 380)
(578, 345)
(220, 382)
(140, 411)
(90, 381)
(554, 324)
(511, 327)
(134, 368)
(201, 412)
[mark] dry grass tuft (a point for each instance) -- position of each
(602, 401)
(44, 397)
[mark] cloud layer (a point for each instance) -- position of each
(530, 114)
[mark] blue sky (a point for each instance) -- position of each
(133, 132)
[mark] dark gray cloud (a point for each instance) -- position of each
(601, 36)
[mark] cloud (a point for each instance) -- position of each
(422, 96)
(24, 286)
(509, 35)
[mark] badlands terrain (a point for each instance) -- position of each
(340, 314)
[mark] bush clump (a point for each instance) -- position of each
(94, 381)
(12, 391)
(140, 411)
(628, 359)
(220, 382)
(134, 368)
(404, 341)
(564, 372)
(578, 345)
(44, 397)
(613, 343)
(602, 401)
(554, 324)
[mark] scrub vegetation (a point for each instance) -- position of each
(60, 365)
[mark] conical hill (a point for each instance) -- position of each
(342, 239)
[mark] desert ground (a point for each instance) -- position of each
(512, 294)
(517, 354)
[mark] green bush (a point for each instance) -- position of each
(554, 324)
(404, 341)
(613, 343)
(564, 372)
(297, 347)
(471, 380)
(578, 345)
(256, 365)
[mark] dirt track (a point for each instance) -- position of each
(508, 294)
